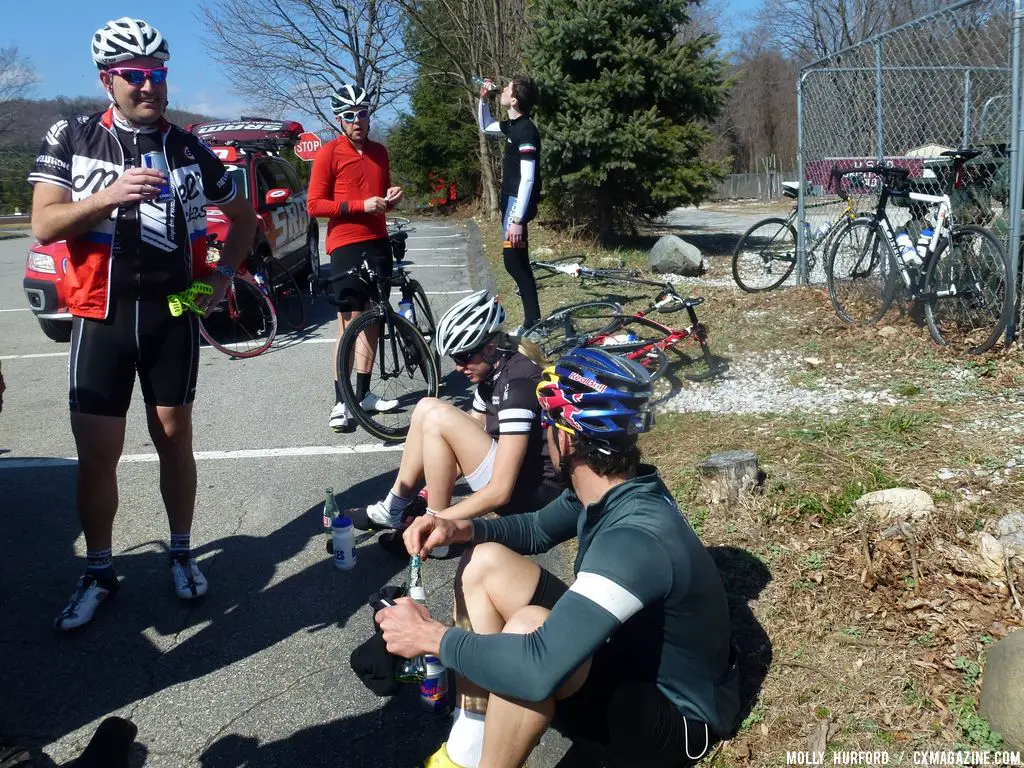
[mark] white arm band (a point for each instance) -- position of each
(488, 124)
(527, 171)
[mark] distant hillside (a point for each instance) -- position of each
(20, 139)
(32, 117)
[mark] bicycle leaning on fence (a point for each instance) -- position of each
(635, 336)
(959, 273)
(766, 254)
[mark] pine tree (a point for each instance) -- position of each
(625, 109)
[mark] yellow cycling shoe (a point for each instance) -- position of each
(440, 759)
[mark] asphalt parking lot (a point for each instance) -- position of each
(257, 673)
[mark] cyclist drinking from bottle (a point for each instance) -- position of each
(634, 660)
(498, 447)
(128, 191)
(351, 184)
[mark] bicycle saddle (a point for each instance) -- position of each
(962, 154)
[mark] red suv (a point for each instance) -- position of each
(249, 147)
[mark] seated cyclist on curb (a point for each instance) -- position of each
(498, 447)
(634, 659)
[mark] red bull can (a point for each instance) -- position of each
(158, 162)
(434, 688)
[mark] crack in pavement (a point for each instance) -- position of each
(265, 700)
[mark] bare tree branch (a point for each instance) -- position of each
(16, 80)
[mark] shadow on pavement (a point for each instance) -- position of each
(396, 734)
(55, 683)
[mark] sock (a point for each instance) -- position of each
(466, 740)
(362, 385)
(395, 503)
(337, 393)
(99, 563)
(180, 544)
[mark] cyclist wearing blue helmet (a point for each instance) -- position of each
(635, 659)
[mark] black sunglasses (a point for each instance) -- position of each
(465, 358)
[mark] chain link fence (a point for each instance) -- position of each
(944, 81)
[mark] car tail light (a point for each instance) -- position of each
(41, 262)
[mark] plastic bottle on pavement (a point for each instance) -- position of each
(344, 543)
(434, 688)
(907, 248)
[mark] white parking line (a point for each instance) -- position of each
(459, 265)
(39, 354)
(431, 250)
(433, 237)
(19, 309)
(258, 453)
(448, 293)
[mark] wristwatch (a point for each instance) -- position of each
(514, 220)
(225, 271)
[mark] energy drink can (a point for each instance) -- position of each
(157, 162)
(434, 688)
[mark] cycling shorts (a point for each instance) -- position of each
(351, 294)
(139, 338)
(527, 495)
(628, 722)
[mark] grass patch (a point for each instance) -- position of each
(821, 637)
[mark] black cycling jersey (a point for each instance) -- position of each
(523, 143)
(508, 398)
(647, 594)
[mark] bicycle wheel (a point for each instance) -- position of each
(967, 283)
(284, 292)
(403, 370)
(244, 324)
(765, 256)
(860, 273)
(570, 326)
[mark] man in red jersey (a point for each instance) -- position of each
(351, 184)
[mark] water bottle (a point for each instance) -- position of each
(820, 232)
(907, 249)
(344, 543)
(330, 509)
(808, 236)
(434, 688)
(414, 670)
(923, 241)
(484, 82)
(406, 310)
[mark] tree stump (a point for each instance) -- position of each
(727, 476)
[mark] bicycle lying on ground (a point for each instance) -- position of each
(959, 273)
(402, 364)
(635, 336)
(573, 267)
(766, 254)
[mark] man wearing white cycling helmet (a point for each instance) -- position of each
(350, 185)
(498, 447)
(128, 191)
(634, 661)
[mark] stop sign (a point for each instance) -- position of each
(307, 146)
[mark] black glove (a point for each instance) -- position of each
(371, 661)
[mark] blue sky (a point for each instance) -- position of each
(58, 48)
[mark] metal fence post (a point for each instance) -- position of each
(879, 126)
(1016, 160)
(802, 277)
(966, 142)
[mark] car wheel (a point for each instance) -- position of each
(58, 330)
(312, 250)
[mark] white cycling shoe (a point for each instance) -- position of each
(339, 417)
(373, 403)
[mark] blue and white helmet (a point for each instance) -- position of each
(127, 38)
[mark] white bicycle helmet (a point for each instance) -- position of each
(127, 38)
(349, 97)
(469, 324)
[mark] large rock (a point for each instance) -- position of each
(1002, 695)
(674, 255)
(895, 504)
